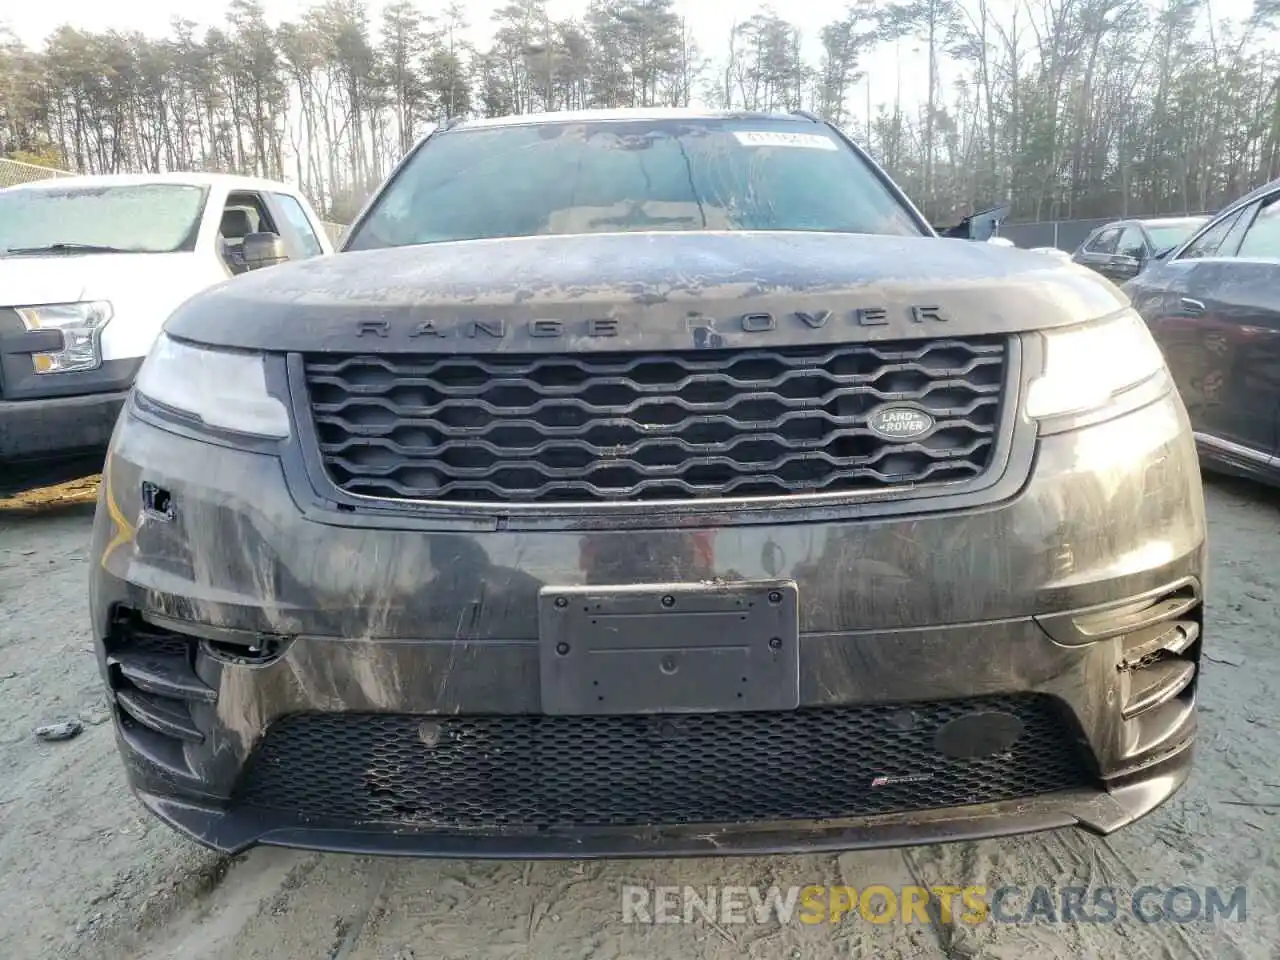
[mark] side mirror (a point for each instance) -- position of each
(263, 250)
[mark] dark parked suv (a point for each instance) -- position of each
(650, 483)
(1121, 250)
(1214, 307)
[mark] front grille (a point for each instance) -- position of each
(596, 428)
(544, 772)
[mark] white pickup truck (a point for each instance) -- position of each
(90, 269)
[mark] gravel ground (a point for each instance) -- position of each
(88, 875)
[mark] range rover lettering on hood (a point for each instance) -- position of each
(643, 292)
(609, 327)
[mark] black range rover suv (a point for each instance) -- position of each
(650, 483)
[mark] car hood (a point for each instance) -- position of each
(142, 288)
(65, 278)
(643, 291)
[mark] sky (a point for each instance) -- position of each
(890, 72)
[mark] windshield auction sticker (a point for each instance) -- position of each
(774, 138)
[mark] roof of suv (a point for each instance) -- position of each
(1189, 220)
(630, 113)
(1254, 194)
(229, 180)
(1186, 221)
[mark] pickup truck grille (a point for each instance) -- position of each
(596, 428)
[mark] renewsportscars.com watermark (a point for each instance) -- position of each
(879, 903)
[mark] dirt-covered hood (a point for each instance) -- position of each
(644, 291)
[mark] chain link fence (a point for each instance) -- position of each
(15, 172)
(1064, 234)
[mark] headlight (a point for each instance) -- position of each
(1086, 367)
(81, 327)
(224, 389)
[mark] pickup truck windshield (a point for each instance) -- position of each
(141, 218)
(634, 175)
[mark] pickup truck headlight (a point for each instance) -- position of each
(1088, 366)
(81, 327)
(223, 389)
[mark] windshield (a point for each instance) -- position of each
(1170, 235)
(603, 177)
(141, 218)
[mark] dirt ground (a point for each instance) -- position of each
(86, 874)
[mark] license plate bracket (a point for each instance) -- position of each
(669, 648)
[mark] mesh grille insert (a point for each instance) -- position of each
(539, 771)
(606, 427)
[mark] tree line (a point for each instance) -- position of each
(1066, 108)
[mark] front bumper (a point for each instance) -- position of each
(1100, 811)
(55, 421)
(58, 428)
(53, 440)
(1083, 590)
